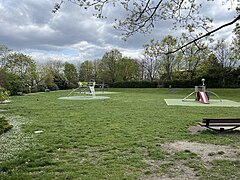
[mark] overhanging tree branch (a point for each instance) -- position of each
(205, 35)
(141, 22)
(142, 12)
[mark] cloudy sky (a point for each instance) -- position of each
(73, 34)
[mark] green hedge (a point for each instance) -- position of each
(181, 83)
(228, 78)
(209, 82)
(135, 84)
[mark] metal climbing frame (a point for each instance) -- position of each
(197, 89)
(82, 87)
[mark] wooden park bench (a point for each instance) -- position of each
(220, 124)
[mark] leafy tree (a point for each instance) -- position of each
(22, 65)
(4, 51)
(60, 80)
(142, 15)
(96, 70)
(237, 28)
(158, 62)
(48, 82)
(179, 61)
(70, 72)
(226, 58)
(224, 54)
(56, 67)
(142, 70)
(55, 70)
(151, 61)
(50, 75)
(235, 46)
(86, 71)
(11, 82)
(192, 58)
(232, 78)
(168, 61)
(212, 71)
(45, 78)
(108, 66)
(127, 69)
(236, 41)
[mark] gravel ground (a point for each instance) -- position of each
(14, 140)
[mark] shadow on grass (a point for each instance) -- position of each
(221, 133)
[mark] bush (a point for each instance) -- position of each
(72, 85)
(60, 81)
(41, 87)
(11, 82)
(52, 87)
(4, 125)
(232, 78)
(4, 94)
(24, 90)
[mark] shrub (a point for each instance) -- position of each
(41, 87)
(11, 82)
(179, 83)
(4, 125)
(52, 87)
(60, 81)
(135, 84)
(4, 94)
(72, 85)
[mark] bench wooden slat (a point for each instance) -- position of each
(223, 120)
(219, 124)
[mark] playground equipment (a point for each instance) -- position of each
(201, 94)
(82, 87)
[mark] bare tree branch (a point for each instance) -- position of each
(143, 15)
(139, 21)
(205, 35)
(142, 12)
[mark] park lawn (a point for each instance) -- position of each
(113, 138)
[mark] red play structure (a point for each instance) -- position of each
(201, 94)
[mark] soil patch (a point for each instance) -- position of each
(207, 152)
(196, 129)
(179, 168)
(176, 172)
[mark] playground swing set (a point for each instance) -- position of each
(201, 94)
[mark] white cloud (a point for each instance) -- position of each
(43, 57)
(73, 34)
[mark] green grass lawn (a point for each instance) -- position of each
(113, 138)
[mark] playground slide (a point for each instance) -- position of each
(92, 90)
(204, 98)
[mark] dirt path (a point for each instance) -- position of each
(205, 152)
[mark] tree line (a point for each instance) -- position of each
(219, 65)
